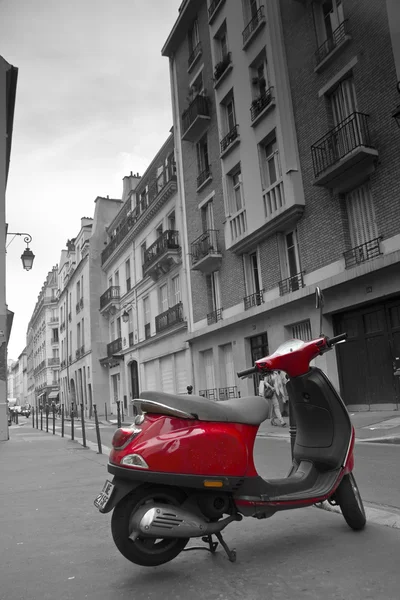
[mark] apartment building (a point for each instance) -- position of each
(83, 335)
(145, 302)
(22, 379)
(304, 177)
(42, 349)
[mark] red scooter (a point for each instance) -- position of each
(185, 468)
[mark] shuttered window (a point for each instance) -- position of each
(228, 364)
(361, 215)
(209, 369)
(302, 331)
(181, 379)
(167, 375)
(343, 100)
(150, 375)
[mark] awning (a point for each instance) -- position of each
(40, 395)
(53, 395)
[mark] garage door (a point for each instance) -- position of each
(167, 375)
(150, 375)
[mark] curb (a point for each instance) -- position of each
(378, 516)
(393, 439)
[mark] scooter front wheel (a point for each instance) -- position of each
(146, 552)
(349, 499)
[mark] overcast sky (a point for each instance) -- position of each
(93, 103)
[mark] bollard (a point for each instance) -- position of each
(47, 418)
(62, 420)
(122, 413)
(37, 418)
(118, 413)
(16, 417)
(189, 389)
(105, 410)
(54, 420)
(41, 417)
(72, 421)
(292, 426)
(83, 425)
(96, 420)
(33, 417)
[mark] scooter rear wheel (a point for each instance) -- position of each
(144, 551)
(349, 499)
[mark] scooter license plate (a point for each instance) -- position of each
(104, 496)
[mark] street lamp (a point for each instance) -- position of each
(27, 256)
(125, 316)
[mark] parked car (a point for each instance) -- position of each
(25, 411)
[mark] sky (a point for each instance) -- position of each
(93, 103)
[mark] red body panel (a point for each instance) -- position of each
(172, 445)
(294, 363)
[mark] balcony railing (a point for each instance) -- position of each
(54, 320)
(130, 339)
(114, 347)
(214, 6)
(211, 394)
(362, 253)
(147, 331)
(228, 392)
(169, 317)
(195, 54)
(253, 24)
(229, 138)
(53, 361)
(350, 134)
(113, 293)
(253, 300)
(214, 316)
(291, 284)
(338, 36)
(207, 243)
(222, 66)
(198, 110)
(169, 240)
(204, 175)
(260, 103)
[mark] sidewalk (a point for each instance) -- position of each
(374, 426)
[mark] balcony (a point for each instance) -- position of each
(54, 320)
(253, 27)
(162, 255)
(205, 251)
(131, 342)
(362, 253)
(114, 348)
(170, 317)
(203, 178)
(147, 331)
(291, 284)
(109, 301)
(194, 56)
(230, 140)
(54, 341)
(228, 392)
(253, 300)
(196, 118)
(330, 47)
(260, 105)
(222, 68)
(345, 156)
(211, 393)
(213, 9)
(214, 316)
(53, 361)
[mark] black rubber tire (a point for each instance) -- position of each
(348, 498)
(141, 551)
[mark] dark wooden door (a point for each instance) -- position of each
(134, 379)
(366, 360)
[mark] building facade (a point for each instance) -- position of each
(145, 303)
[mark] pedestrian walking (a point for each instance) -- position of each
(270, 387)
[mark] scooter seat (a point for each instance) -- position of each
(251, 410)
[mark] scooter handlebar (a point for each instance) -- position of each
(247, 372)
(342, 337)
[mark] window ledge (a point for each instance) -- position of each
(194, 61)
(254, 33)
(232, 145)
(222, 77)
(203, 185)
(329, 57)
(262, 114)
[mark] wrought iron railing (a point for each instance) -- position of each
(228, 392)
(362, 253)
(258, 104)
(195, 54)
(167, 241)
(348, 135)
(147, 331)
(204, 175)
(211, 394)
(253, 300)
(213, 7)
(207, 243)
(169, 317)
(291, 284)
(253, 24)
(229, 138)
(197, 108)
(330, 44)
(221, 67)
(112, 293)
(114, 347)
(215, 316)
(53, 361)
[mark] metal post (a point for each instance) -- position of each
(62, 420)
(292, 426)
(96, 420)
(118, 413)
(47, 418)
(37, 418)
(54, 419)
(72, 420)
(33, 416)
(83, 425)
(41, 417)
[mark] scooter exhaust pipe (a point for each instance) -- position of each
(167, 521)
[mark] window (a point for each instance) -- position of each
(328, 17)
(78, 336)
(146, 316)
(159, 230)
(290, 262)
(119, 330)
(56, 376)
(171, 222)
(193, 37)
(176, 289)
(143, 252)
(235, 191)
(110, 282)
(270, 163)
(143, 199)
(259, 75)
(197, 87)
(228, 378)
(128, 274)
(343, 100)
(221, 43)
(164, 297)
(78, 291)
(302, 331)
(83, 332)
(252, 273)
(207, 373)
(115, 386)
(54, 336)
(214, 291)
(207, 217)
(230, 114)
(160, 178)
(361, 214)
(203, 167)
(116, 278)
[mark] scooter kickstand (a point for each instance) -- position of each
(231, 553)
(212, 546)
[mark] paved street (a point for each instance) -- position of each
(54, 544)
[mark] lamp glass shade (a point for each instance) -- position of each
(27, 258)
(125, 316)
